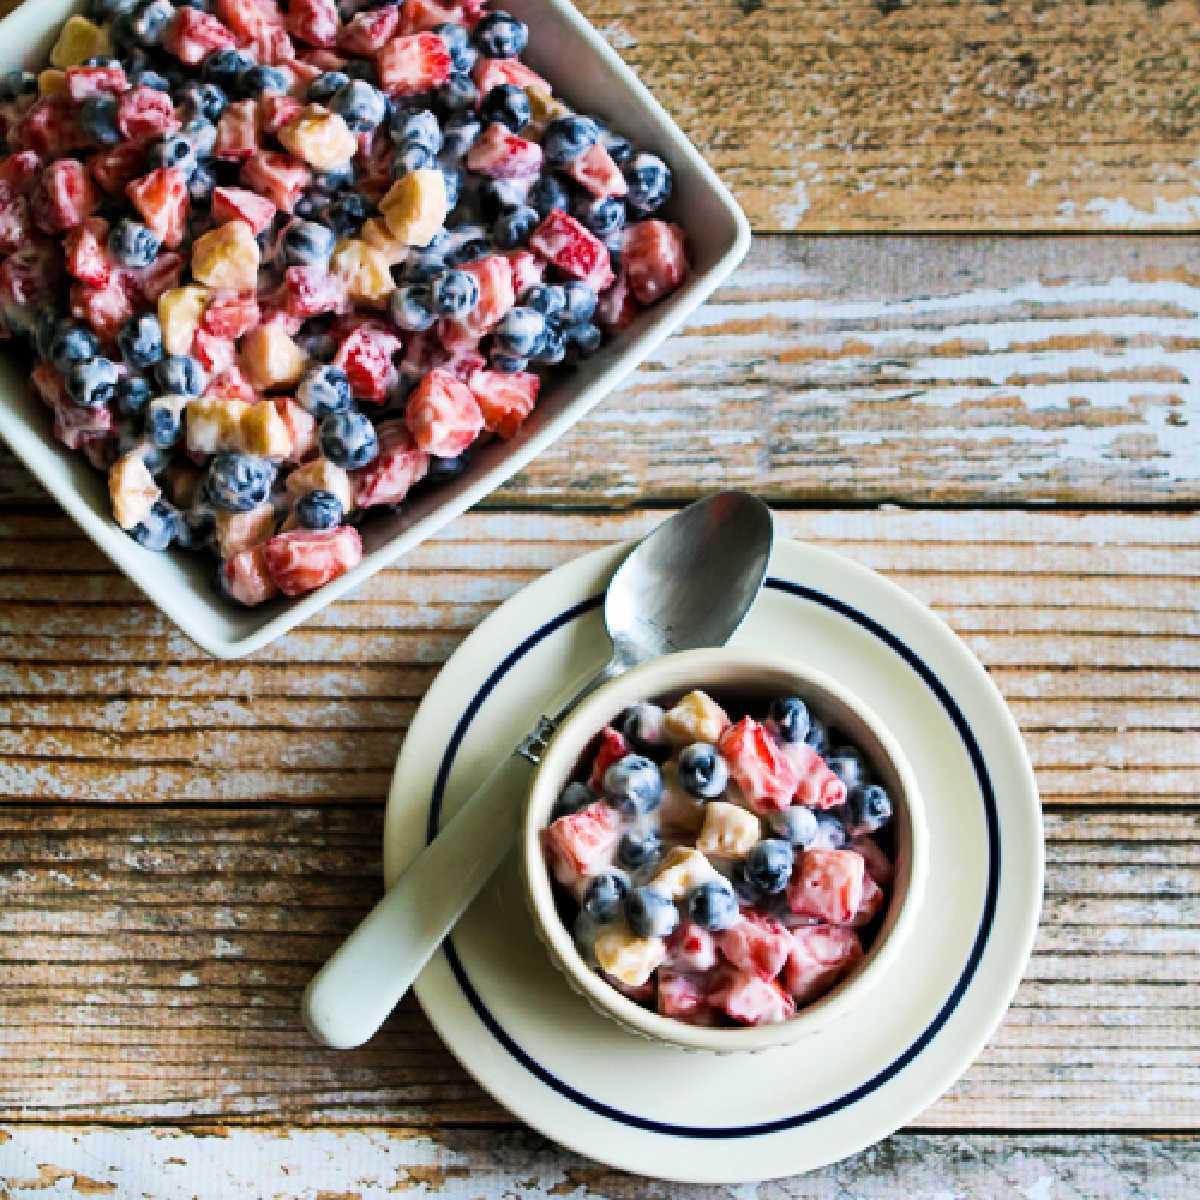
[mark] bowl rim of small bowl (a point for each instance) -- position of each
(690, 669)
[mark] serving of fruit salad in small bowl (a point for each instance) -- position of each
(723, 850)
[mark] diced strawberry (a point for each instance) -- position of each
(273, 314)
(240, 204)
(491, 72)
(62, 196)
(237, 131)
(611, 746)
(302, 69)
(162, 274)
(879, 866)
(690, 947)
(20, 170)
(757, 945)
(310, 290)
(418, 15)
(413, 64)
(493, 275)
(29, 276)
(819, 957)
(816, 784)
(765, 776)
(104, 309)
(84, 251)
(443, 415)
(641, 993)
(655, 256)
(504, 399)
(115, 168)
(527, 270)
(597, 172)
(249, 18)
(50, 128)
(321, 61)
(215, 354)
(75, 424)
(247, 579)
(275, 110)
(145, 113)
(193, 35)
(274, 47)
(301, 426)
(162, 199)
(827, 884)
(367, 32)
(680, 996)
(472, 11)
(870, 904)
(502, 154)
(366, 355)
(574, 250)
(581, 844)
(398, 466)
(14, 219)
(232, 385)
(314, 22)
(303, 559)
(278, 175)
(750, 1000)
(230, 315)
(615, 306)
(83, 82)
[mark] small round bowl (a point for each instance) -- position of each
(750, 675)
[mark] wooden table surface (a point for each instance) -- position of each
(1005, 425)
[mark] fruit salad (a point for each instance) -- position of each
(720, 871)
(281, 262)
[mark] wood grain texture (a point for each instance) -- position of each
(927, 370)
(153, 963)
(165, 1163)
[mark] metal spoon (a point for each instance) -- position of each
(689, 583)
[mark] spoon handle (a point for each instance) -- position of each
(353, 993)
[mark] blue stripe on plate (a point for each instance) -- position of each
(987, 791)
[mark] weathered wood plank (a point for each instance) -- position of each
(153, 959)
(175, 1163)
(907, 369)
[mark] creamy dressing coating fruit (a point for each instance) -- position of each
(284, 261)
(721, 871)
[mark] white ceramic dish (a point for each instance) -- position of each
(743, 672)
(591, 76)
(577, 1077)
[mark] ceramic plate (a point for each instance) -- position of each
(577, 1077)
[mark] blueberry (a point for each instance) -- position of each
(346, 214)
(417, 125)
(580, 305)
(547, 194)
(702, 771)
(237, 482)
(410, 157)
(131, 244)
(443, 469)
(348, 439)
(457, 96)
(512, 229)
(831, 833)
(261, 80)
(500, 35)
(359, 104)
(507, 364)
(712, 905)
(70, 345)
(641, 726)
(93, 382)
(148, 77)
(362, 68)
(321, 89)
(619, 148)
(650, 913)
(105, 10)
(173, 151)
(637, 850)
(473, 244)
(140, 341)
(98, 119)
(455, 179)
(310, 205)
(149, 23)
(817, 736)
(335, 179)
(745, 891)
(548, 299)
(870, 808)
(603, 897)
(847, 764)
(649, 180)
(519, 331)
(306, 242)
(582, 340)
(162, 525)
(318, 509)
(181, 375)
(411, 308)
(494, 197)
(566, 138)
(458, 42)
(324, 389)
(454, 294)
(132, 395)
(201, 134)
(200, 186)
(164, 423)
(634, 784)
(571, 799)
(603, 217)
(205, 100)
(769, 865)
(552, 346)
(797, 823)
(789, 718)
(459, 134)
(224, 67)
(422, 267)
(507, 105)
(14, 84)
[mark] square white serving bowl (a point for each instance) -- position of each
(590, 76)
